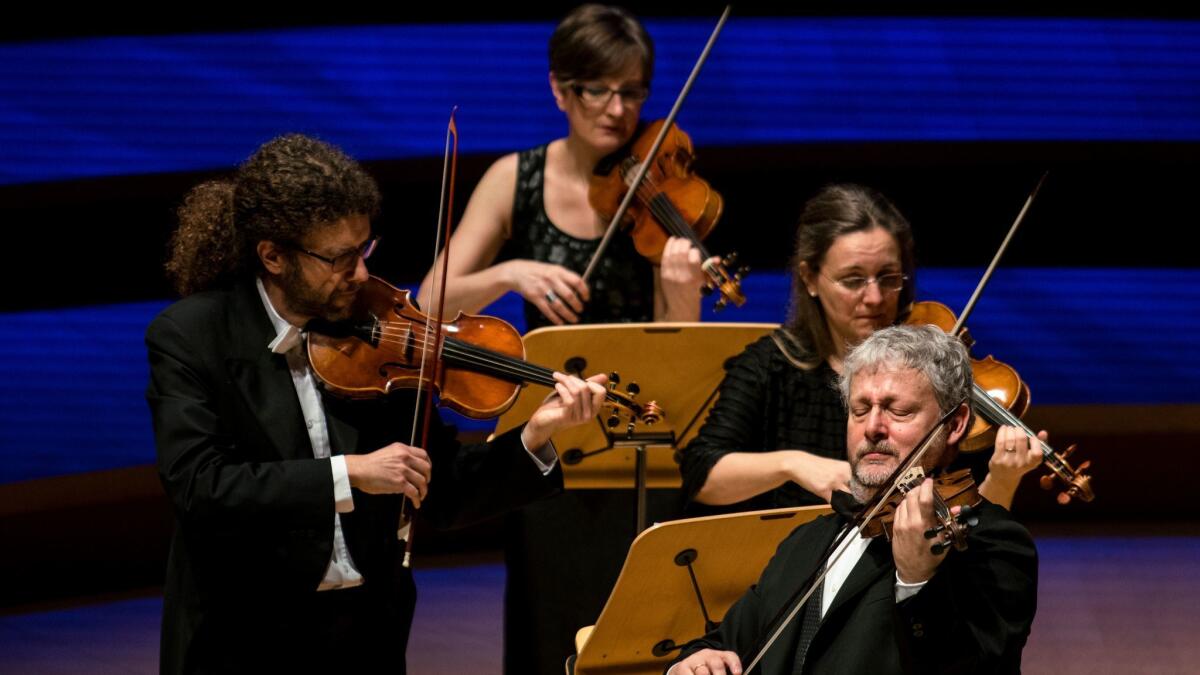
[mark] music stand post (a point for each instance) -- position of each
(639, 441)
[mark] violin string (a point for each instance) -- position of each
(666, 213)
(474, 355)
(648, 193)
(494, 362)
(1001, 415)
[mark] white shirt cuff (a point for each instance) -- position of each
(905, 591)
(545, 458)
(343, 500)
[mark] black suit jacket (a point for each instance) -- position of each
(973, 616)
(255, 511)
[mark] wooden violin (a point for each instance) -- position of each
(951, 489)
(655, 171)
(381, 348)
(1000, 397)
(671, 201)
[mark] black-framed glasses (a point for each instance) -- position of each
(346, 261)
(887, 283)
(598, 96)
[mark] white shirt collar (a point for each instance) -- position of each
(287, 336)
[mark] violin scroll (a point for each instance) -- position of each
(729, 285)
(1078, 484)
(622, 406)
(953, 532)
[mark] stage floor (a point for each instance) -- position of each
(1123, 602)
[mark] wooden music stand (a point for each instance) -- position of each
(678, 365)
(677, 583)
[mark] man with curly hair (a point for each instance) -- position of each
(286, 500)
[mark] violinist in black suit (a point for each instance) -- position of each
(891, 606)
(285, 555)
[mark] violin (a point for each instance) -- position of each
(1000, 397)
(955, 488)
(671, 200)
(998, 380)
(483, 364)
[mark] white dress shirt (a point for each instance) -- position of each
(852, 550)
(288, 341)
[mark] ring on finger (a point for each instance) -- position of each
(551, 297)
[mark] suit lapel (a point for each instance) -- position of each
(801, 562)
(262, 377)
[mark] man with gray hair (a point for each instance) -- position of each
(891, 606)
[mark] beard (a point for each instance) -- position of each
(303, 298)
(867, 477)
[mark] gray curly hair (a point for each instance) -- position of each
(941, 358)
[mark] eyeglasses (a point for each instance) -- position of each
(346, 261)
(596, 96)
(887, 283)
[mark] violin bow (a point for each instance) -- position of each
(987, 274)
(834, 551)
(1077, 483)
(432, 340)
(631, 192)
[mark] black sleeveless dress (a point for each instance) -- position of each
(563, 554)
(622, 286)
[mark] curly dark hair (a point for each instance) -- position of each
(288, 187)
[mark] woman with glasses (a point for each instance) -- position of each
(776, 436)
(528, 226)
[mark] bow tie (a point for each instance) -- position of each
(286, 341)
(845, 505)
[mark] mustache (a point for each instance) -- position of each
(881, 447)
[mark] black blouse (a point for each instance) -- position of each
(767, 403)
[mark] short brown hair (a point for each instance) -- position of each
(595, 41)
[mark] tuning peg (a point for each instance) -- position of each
(651, 413)
(933, 531)
(720, 305)
(614, 378)
(1047, 481)
(612, 421)
(1067, 453)
(706, 290)
(939, 548)
(633, 389)
(731, 258)
(742, 271)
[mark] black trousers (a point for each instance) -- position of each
(564, 555)
(355, 630)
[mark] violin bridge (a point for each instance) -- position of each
(911, 479)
